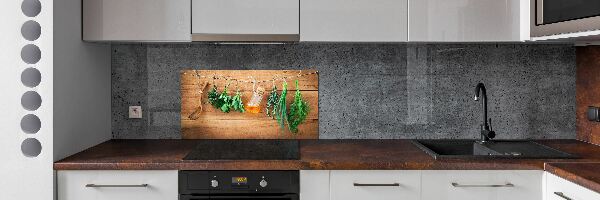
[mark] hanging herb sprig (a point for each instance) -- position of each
(272, 101)
(281, 108)
(298, 111)
(213, 97)
(224, 101)
(237, 103)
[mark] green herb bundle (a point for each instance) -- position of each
(281, 108)
(237, 103)
(298, 111)
(213, 97)
(224, 101)
(272, 101)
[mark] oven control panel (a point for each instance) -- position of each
(226, 182)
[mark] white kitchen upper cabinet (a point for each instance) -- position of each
(354, 20)
(136, 20)
(375, 184)
(468, 20)
(245, 20)
(560, 189)
(117, 185)
(482, 185)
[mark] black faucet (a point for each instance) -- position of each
(486, 129)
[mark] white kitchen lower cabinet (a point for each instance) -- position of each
(375, 185)
(482, 185)
(560, 189)
(117, 185)
(314, 184)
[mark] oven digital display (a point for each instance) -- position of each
(239, 180)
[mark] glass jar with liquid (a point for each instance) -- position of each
(253, 105)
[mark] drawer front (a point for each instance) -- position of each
(376, 185)
(482, 185)
(560, 189)
(117, 185)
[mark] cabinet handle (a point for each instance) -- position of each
(114, 186)
(491, 185)
(376, 185)
(561, 195)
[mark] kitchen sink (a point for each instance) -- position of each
(471, 149)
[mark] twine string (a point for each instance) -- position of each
(252, 79)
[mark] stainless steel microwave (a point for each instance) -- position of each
(553, 17)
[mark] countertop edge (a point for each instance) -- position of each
(572, 176)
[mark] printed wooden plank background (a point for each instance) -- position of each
(212, 123)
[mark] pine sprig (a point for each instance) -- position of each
(281, 111)
(298, 111)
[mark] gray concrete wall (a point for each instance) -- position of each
(369, 90)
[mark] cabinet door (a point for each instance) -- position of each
(468, 20)
(245, 16)
(354, 21)
(560, 189)
(117, 185)
(375, 184)
(314, 185)
(482, 185)
(136, 20)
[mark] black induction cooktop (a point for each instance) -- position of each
(245, 150)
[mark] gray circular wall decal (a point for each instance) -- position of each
(31, 124)
(31, 30)
(31, 54)
(31, 100)
(31, 77)
(31, 8)
(31, 147)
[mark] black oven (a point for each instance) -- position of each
(552, 17)
(234, 185)
(237, 197)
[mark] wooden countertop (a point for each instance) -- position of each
(314, 154)
(331, 155)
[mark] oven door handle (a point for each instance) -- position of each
(192, 197)
(290, 197)
(285, 196)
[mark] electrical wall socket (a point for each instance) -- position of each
(135, 112)
(593, 114)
